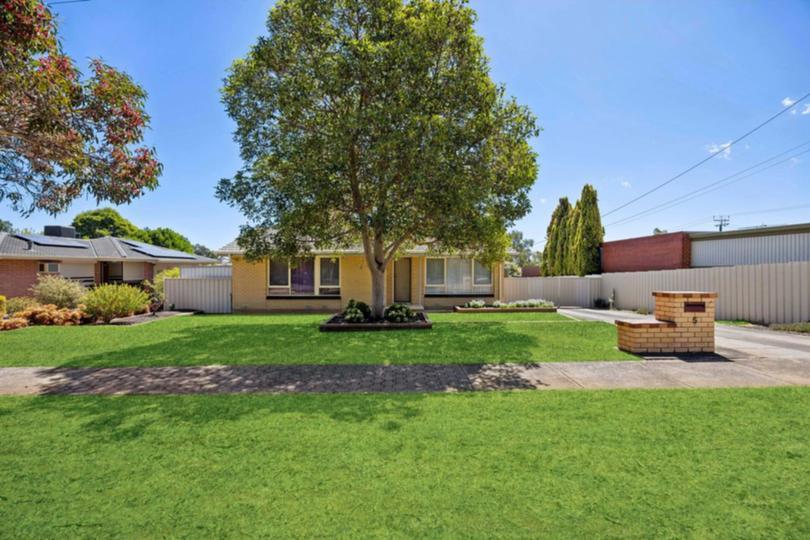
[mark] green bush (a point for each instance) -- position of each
(2, 306)
(159, 282)
(475, 304)
(20, 303)
(399, 313)
(59, 291)
(356, 311)
(108, 302)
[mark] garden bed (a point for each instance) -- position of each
(490, 309)
(337, 324)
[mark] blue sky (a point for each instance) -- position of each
(628, 94)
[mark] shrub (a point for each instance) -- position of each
(2, 306)
(20, 303)
(399, 313)
(157, 286)
(108, 302)
(13, 323)
(356, 311)
(475, 304)
(530, 303)
(643, 311)
(50, 315)
(59, 291)
(802, 327)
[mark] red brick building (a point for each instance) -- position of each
(658, 252)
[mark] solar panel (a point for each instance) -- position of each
(158, 252)
(54, 241)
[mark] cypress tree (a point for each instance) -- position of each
(589, 234)
(568, 259)
(555, 234)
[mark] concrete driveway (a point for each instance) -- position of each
(733, 342)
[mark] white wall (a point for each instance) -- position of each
(78, 270)
(134, 271)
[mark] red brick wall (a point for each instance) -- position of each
(16, 277)
(658, 252)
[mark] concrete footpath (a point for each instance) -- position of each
(697, 372)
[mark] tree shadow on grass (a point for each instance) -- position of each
(123, 418)
(297, 344)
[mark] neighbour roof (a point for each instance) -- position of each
(753, 231)
(24, 246)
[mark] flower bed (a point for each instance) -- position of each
(492, 309)
(532, 305)
(337, 323)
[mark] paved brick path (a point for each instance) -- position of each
(707, 372)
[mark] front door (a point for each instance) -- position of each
(402, 280)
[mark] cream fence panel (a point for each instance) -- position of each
(764, 293)
(563, 290)
(196, 272)
(211, 295)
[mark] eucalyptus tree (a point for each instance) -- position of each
(375, 122)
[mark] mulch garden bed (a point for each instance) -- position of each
(489, 309)
(337, 324)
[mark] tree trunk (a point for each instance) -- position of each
(377, 292)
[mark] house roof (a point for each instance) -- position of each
(107, 248)
(752, 231)
(233, 248)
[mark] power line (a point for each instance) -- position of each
(701, 162)
(709, 188)
(721, 222)
(57, 2)
(747, 213)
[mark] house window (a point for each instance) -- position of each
(305, 276)
(48, 268)
(456, 275)
(330, 276)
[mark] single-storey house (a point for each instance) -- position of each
(23, 257)
(327, 280)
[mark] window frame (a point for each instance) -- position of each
(285, 291)
(477, 289)
(45, 265)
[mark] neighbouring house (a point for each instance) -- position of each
(756, 245)
(327, 280)
(23, 257)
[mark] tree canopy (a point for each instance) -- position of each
(375, 122)
(61, 135)
(168, 238)
(6, 226)
(105, 222)
(108, 222)
(523, 249)
(204, 251)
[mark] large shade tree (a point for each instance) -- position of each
(63, 135)
(375, 122)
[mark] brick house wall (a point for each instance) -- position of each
(17, 277)
(658, 252)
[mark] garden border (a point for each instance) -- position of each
(489, 309)
(331, 325)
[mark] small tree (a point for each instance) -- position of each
(62, 136)
(6, 226)
(375, 123)
(522, 247)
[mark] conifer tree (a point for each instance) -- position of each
(588, 234)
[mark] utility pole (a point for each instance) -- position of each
(721, 222)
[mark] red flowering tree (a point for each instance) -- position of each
(63, 135)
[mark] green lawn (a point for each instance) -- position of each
(622, 464)
(295, 339)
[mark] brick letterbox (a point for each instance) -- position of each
(684, 323)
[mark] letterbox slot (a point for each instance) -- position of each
(695, 307)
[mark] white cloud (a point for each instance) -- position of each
(806, 109)
(625, 184)
(794, 161)
(787, 102)
(724, 149)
